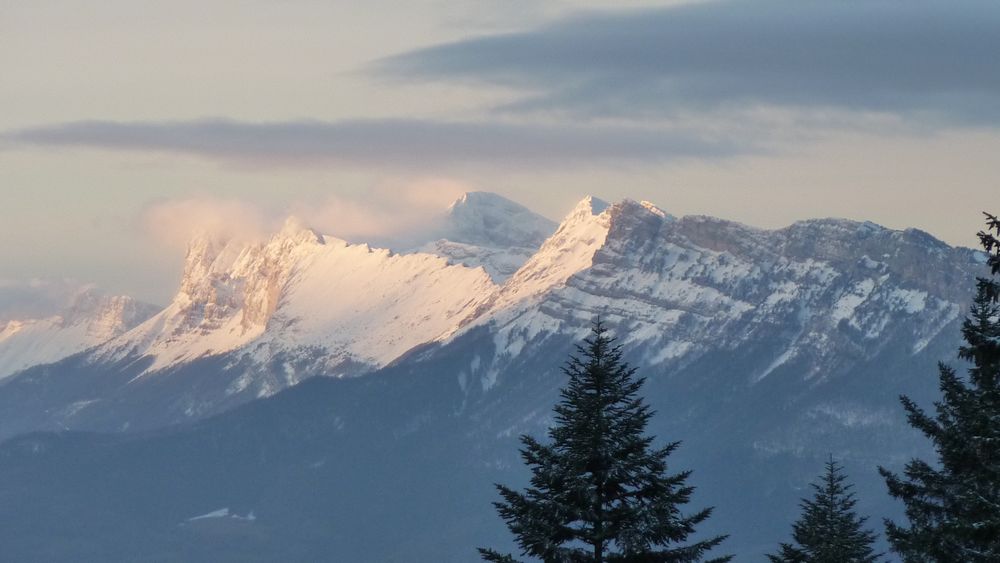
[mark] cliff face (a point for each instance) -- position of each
(817, 295)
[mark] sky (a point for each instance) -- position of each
(129, 124)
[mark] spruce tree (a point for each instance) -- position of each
(600, 491)
(953, 506)
(829, 530)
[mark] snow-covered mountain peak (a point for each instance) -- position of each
(229, 291)
(568, 251)
(84, 303)
(91, 318)
(581, 233)
(105, 316)
(586, 229)
(302, 297)
(488, 219)
(215, 265)
(295, 231)
(479, 199)
(488, 230)
(589, 205)
(206, 255)
(638, 220)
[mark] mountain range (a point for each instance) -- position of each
(765, 351)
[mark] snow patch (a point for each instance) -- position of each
(781, 360)
(851, 416)
(670, 351)
(870, 264)
(220, 513)
(649, 206)
(224, 513)
(910, 300)
(848, 303)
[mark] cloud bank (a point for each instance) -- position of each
(174, 223)
(392, 213)
(932, 60)
(385, 143)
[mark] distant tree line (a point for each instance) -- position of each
(601, 491)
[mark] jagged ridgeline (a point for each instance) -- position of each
(765, 351)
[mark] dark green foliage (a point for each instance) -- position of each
(600, 492)
(953, 507)
(829, 531)
(991, 244)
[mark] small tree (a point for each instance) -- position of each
(600, 492)
(953, 508)
(829, 531)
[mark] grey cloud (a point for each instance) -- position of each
(931, 59)
(384, 143)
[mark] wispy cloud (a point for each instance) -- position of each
(929, 60)
(173, 223)
(391, 212)
(386, 143)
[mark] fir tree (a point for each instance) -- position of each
(991, 244)
(600, 492)
(953, 507)
(829, 531)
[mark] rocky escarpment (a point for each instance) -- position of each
(90, 319)
(822, 291)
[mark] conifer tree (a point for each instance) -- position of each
(953, 506)
(829, 530)
(600, 492)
